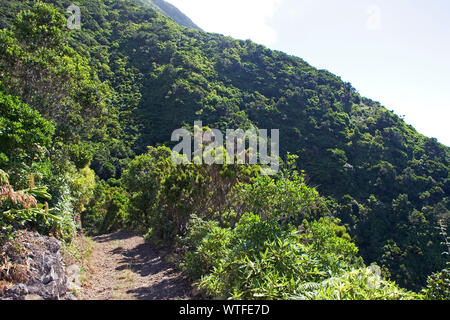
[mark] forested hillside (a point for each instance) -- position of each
(87, 113)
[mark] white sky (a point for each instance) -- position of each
(241, 19)
(396, 52)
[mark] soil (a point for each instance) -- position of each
(124, 267)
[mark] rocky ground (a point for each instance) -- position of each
(32, 268)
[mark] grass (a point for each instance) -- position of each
(79, 253)
(125, 280)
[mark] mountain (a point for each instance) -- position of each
(388, 183)
(169, 11)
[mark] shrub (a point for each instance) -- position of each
(285, 197)
(438, 285)
(162, 230)
(92, 218)
(82, 188)
(330, 244)
(358, 284)
(63, 208)
(258, 269)
(20, 209)
(107, 211)
(115, 208)
(206, 243)
(263, 259)
(142, 179)
(164, 195)
(24, 132)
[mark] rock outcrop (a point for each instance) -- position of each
(42, 271)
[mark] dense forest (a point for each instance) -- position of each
(358, 210)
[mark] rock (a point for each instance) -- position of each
(46, 270)
(17, 291)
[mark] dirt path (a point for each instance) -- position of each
(124, 267)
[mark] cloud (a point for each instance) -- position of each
(241, 19)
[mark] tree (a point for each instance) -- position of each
(39, 66)
(24, 133)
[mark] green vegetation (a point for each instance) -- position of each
(86, 118)
(169, 11)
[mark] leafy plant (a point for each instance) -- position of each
(21, 209)
(358, 284)
(263, 260)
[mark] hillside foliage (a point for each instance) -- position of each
(87, 116)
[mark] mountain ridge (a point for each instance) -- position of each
(169, 11)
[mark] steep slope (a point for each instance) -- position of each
(389, 184)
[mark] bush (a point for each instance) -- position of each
(142, 179)
(80, 154)
(165, 195)
(63, 208)
(330, 244)
(82, 188)
(92, 218)
(358, 284)
(438, 285)
(206, 243)
(115, 209)
(107, 211)
(24, 132)
(20, 209)
(162, 230)
(263, 259)
(285, 197)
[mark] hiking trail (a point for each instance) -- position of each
(124, 267)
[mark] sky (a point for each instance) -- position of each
(396, 52)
